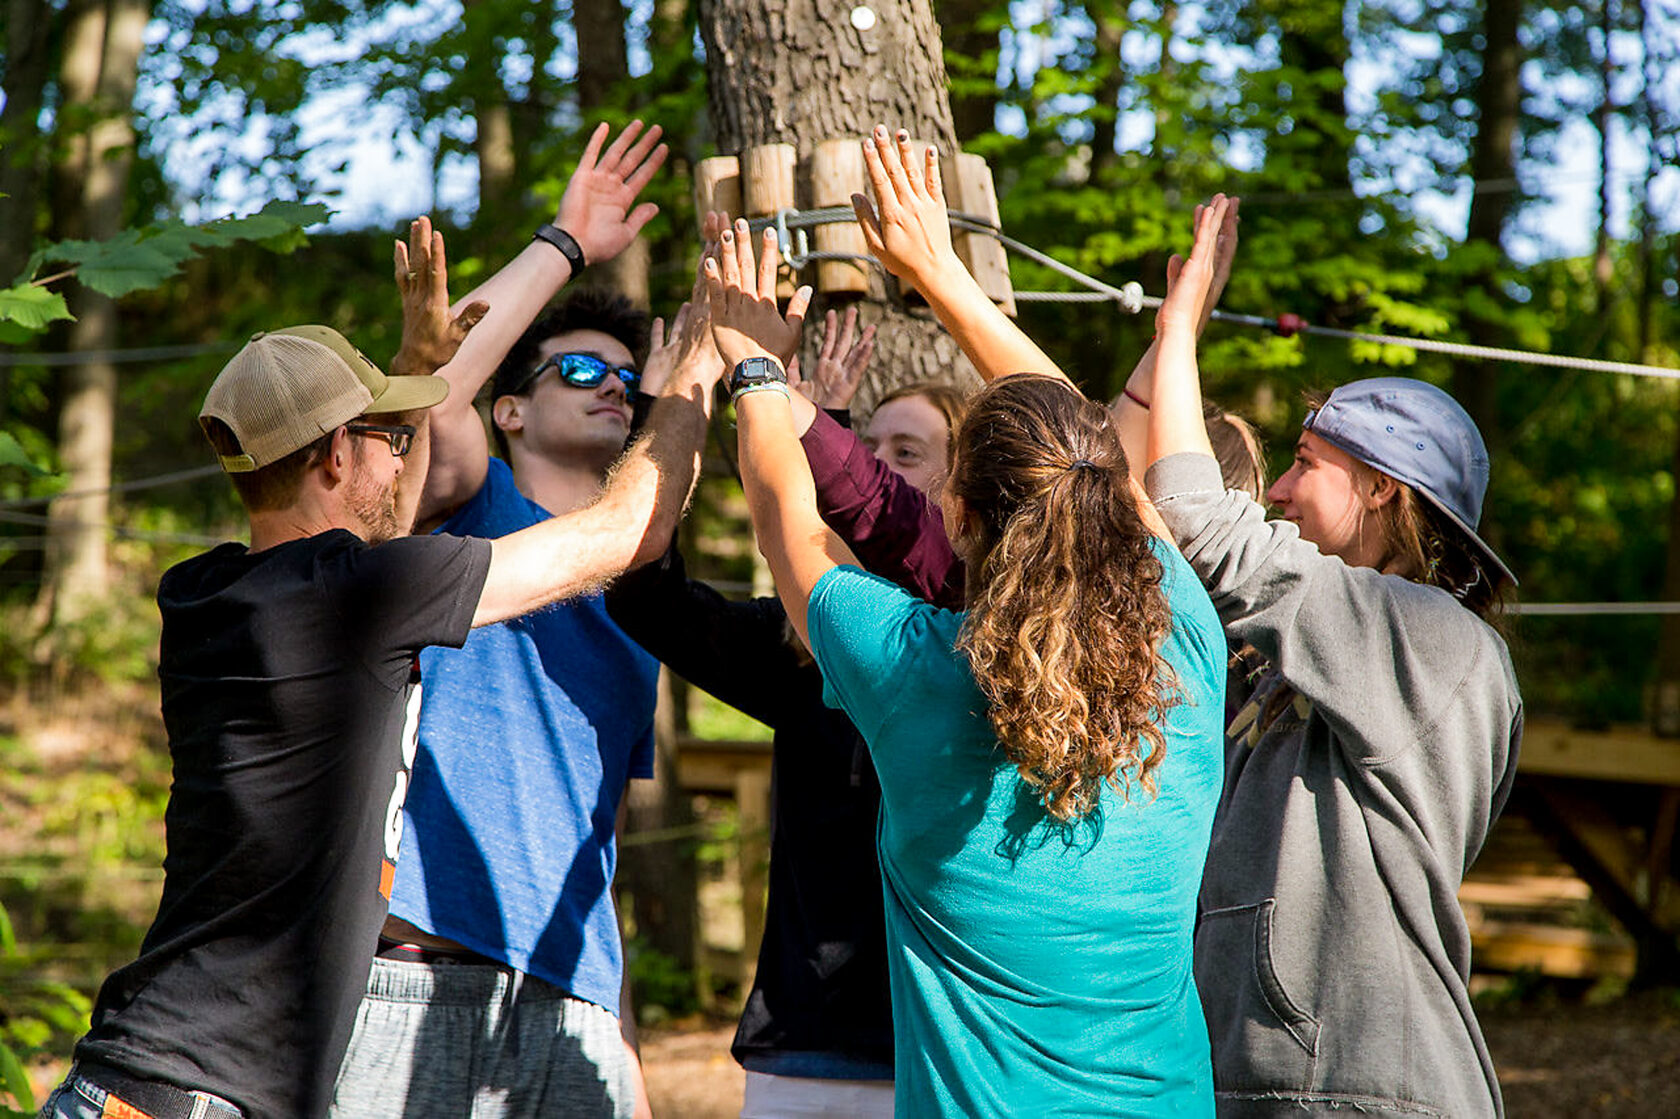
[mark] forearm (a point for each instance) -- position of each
(782, 500)
(705, 638)
(631, 523)
(993, 342)
(894, 529)
(1175, 410)
(1131, 411)
(517, 293)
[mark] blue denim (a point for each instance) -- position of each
(80, 1098)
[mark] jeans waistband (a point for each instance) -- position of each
(156, 1098)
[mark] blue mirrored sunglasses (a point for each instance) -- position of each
(586, 371)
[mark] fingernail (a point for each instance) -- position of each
(728, 236)
(881, 131)
(903, 135)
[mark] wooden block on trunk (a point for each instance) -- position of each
(717, 186)
(969, 190)
(767, 188)
(837, 173)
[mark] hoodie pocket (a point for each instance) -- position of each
(1262, 1038)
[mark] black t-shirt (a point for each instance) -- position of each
(291, 697)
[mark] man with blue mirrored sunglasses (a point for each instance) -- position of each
(501, 906)
(584, 371)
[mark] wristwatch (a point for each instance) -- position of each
(756, 371)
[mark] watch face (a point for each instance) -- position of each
(756, 371)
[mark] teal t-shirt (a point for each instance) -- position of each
(1036, 969)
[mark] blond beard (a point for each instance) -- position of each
(374, 506)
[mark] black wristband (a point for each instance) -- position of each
(565, 242)
(641, 404)
(841, 416)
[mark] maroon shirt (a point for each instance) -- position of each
(894, 529)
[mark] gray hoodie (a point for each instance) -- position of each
(1331, 953)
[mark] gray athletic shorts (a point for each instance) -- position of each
(453, 1041)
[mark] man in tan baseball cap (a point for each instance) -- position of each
(291, 693)
(274, 412)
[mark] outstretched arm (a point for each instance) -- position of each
(599, 212)
(1131, 407)
(1175, 413)
(911, 235)
(780, 495)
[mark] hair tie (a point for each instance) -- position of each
(1082, 464)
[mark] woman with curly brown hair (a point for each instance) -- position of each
(1048, 759)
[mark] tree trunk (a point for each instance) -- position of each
(603, 59)
(100, 66)
(31, 27)
(803, 74)
(971, 112)
(1493, 169)
(1111, 21)
(1603, 265)
(603, 65)
(1315, 43)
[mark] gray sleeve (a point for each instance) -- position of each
(1386, 661)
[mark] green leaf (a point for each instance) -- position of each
(32, 308)
(8, 936)
(15, 1079)
(129, 267)
(279, 225)
(13, 454)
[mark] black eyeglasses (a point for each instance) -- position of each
(585, 371)
(400, 436)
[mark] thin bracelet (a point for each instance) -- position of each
(565, 242)
(762, 387)
(1136, 399)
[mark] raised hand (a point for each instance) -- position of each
(911, 231)
(596, 208)
(688, 356)
(745, 319)
(1189, 281)
(841, 362)
(1224, 254)
(431, 335)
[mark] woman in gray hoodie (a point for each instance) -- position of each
(1374, 753)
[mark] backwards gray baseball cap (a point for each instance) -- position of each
(1416, 434)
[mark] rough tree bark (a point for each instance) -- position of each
(801, 73)
(98, 73)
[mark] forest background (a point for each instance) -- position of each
(1504, 173)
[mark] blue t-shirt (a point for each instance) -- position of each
(1036, 970)
(528, 735)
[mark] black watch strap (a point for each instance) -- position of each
(565, 242)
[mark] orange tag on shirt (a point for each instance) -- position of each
(387, 876)
(117, 1109)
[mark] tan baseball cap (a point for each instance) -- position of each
(287, 388)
